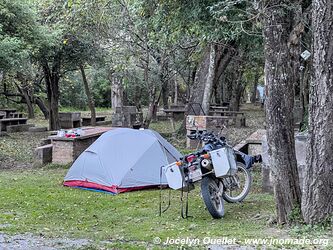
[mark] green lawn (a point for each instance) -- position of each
(35, 201)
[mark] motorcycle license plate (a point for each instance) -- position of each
(195, 175)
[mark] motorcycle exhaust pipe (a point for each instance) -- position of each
(206, 164)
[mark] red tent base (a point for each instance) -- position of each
(113, 189)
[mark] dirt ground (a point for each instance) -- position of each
(29, 241)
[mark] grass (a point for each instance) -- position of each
(35, 201)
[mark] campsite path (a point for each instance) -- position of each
(29, 241)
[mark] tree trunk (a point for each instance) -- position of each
(198, 87)
(117, 90)
(24, 91)
(317, 203)
(254, 89)
(27, 98)
(209, 80)
(175, 100)
(91, 102)
(52, 77)
(279, 108)
(152, 109)
(165, 95)
(1, 76)
(237, 89)
(42, 107)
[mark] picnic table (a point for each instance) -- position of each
(67, 150)
(11, 121)
(86, 121)
(15, 115)
(8, 111)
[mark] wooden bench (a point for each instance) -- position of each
(11, 121)
(86, 121)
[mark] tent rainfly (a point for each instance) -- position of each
(122, 160)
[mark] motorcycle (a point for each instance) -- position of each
(223, 172)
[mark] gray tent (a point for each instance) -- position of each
(121, 160)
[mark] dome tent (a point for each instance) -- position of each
(121, 160)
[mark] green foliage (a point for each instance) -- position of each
(17, 30)
(296, 215)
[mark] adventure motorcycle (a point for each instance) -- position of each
(223, 171)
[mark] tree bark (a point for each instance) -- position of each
(237, 89)
(198, 87)
(91, 102)
(52, 77)
(317, 203)
(117, 90)
(209, 80)
(175, 99)
(279, 108)
(23, 89)
(27, 98)
(165, 95)
(237, 81)
(254, 89)
(42, 107)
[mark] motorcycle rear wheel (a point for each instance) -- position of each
(240, 185)
(211, 190)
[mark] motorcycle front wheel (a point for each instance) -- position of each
(238, 186)
(211, 190)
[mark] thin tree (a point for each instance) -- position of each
(91, 102)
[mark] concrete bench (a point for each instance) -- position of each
(238, 117)
(15, 115)
(176, 114)
(7, 111)
(37, 129)
(19, 128)
(11, 121)
(104, 123)
(70, 119)
(43, 154)
(86, 121)
(164, 117)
